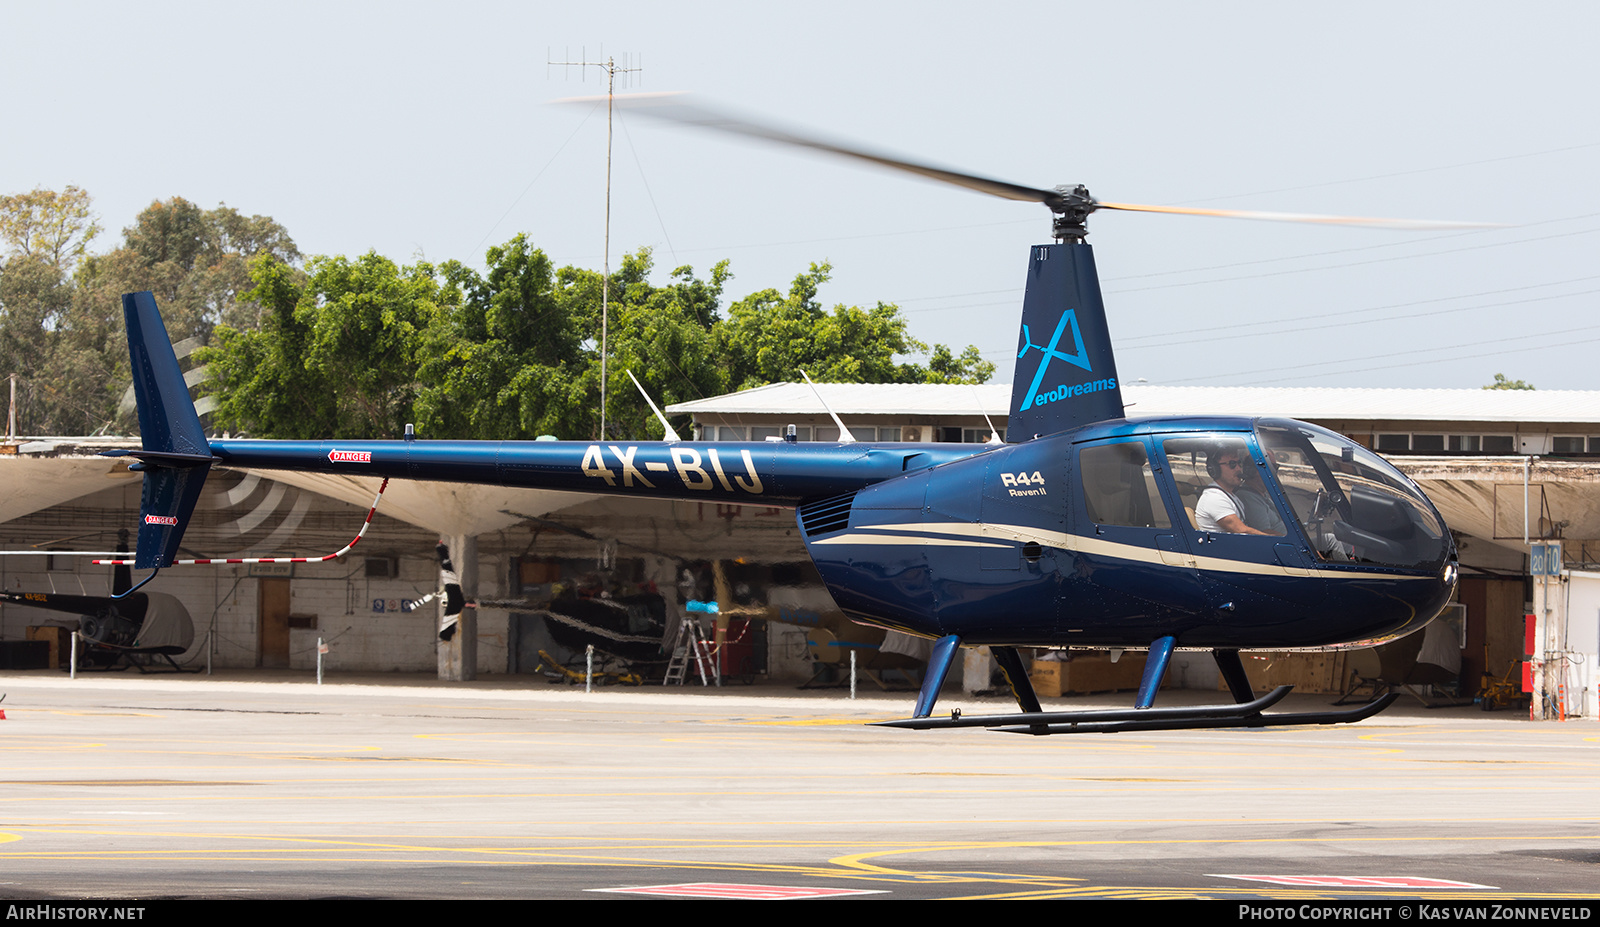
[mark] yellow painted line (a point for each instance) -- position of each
(859, 860)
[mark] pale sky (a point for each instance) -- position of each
(421, 129)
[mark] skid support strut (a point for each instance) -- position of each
(1233, 674)
(1247, 712)
(1017, 674)
(944, 653)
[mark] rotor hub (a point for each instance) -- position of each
(1071, 206)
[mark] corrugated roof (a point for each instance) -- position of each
(1312, 403)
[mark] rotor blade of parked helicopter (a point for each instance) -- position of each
(679, 108)
(1367, 222)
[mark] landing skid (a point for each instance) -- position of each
(1142, 717)
(1248, 714)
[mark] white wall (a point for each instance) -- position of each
(1583, 637)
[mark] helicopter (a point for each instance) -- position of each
(1083, 528)
(120, 629)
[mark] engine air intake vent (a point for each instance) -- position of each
(826, 516)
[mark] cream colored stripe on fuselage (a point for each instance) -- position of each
(962, 534)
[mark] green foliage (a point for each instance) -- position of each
(361, 347)
(196, 262)
(1500, 382)
(45, 225)
(358, 348)
(337, 352)
(769, 338)
(505, 361)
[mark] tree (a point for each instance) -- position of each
(52, 227)
(1500, 382)
(64, 386)
(506, 361)
(337, 353)
(196, 262)
(769, 338)
(358, 348)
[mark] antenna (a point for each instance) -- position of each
(994, 436)
(670, 435)
(612, 69)
(845, 437)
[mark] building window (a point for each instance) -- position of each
(1452, 444)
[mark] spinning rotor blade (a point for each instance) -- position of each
(677, 107)
(1072, 205)
(1312, 218)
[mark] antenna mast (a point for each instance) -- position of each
(612, 69)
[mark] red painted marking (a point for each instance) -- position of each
(1355, 881)
(338, 456)
(160, 520)
(736, 890)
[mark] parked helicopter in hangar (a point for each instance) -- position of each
(1084, 528)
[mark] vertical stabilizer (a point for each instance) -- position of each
(1066, 375)
(176, 455)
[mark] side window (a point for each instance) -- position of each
(1119, 487)
(1220, 485)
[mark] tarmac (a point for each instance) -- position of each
(253, 784)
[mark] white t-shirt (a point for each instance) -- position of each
(1216, 504)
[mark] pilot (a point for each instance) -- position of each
(1259, 512)
(1223, 507)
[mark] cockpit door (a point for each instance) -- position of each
(1133, 558)
(1244, 542)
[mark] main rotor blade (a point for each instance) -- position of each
(678, 108)
(1367, 222)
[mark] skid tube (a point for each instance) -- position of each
(1247, 714)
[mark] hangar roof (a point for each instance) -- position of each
(1454, 405)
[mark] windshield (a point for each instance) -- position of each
(1353, 505)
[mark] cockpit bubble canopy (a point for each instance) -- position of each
(1353, 505)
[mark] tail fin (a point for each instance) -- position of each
(176, 455)
(1073, 381)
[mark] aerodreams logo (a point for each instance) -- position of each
(1080, 358)
(1067, 392)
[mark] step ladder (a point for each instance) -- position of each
(693, 647)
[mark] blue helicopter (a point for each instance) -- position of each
(1085, 528)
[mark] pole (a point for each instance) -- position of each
(605, 279)
(612, 69)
